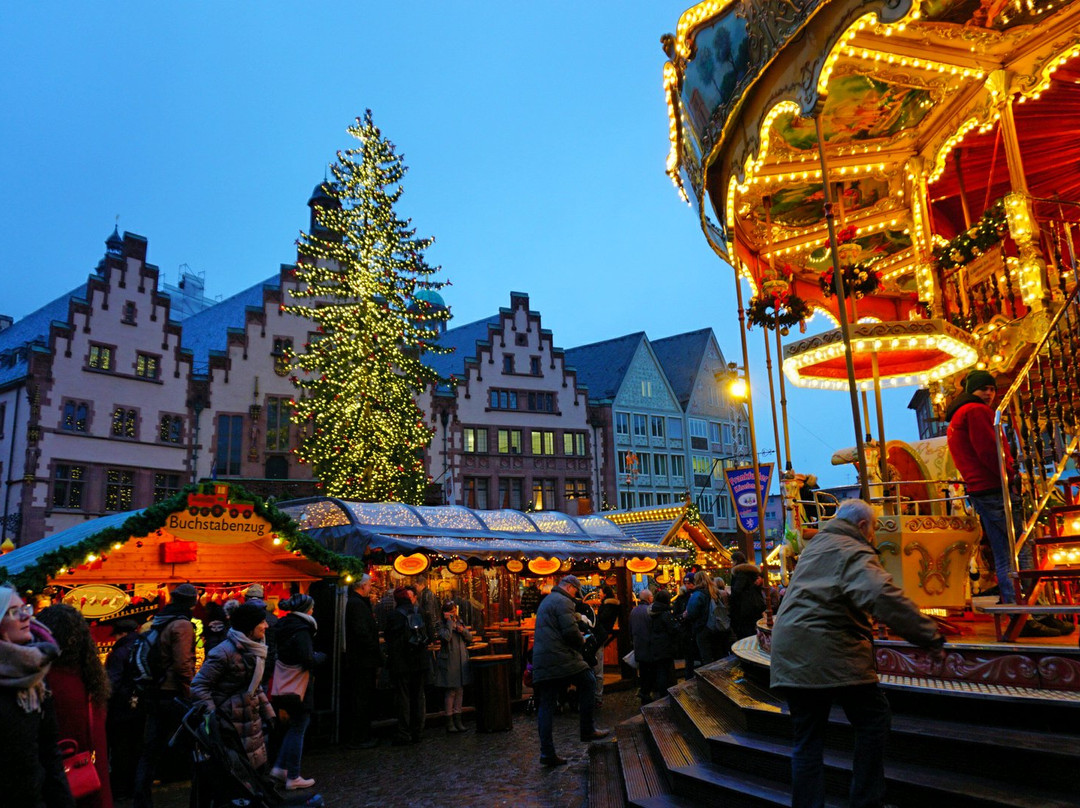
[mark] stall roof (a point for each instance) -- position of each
(356, 528)
(660, 524)
(22, 557)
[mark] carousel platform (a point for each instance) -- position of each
(724, 738)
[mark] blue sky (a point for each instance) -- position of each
(536, 136)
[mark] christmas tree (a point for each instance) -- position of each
(359, 272)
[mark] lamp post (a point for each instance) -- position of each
(739, 388)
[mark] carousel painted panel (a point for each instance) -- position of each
(928, 557)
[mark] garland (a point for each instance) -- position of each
(146, 522)
(859, 280)
(969, 245)
(685, 561)
(787, 308)
(693, 514)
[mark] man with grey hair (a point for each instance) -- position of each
(557, 663)
(823, 652)
(363, 658)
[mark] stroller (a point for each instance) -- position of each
(222, 775)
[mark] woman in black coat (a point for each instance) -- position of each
(31, 769)
(665, 637)
(747, 600)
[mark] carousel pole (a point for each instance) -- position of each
(854, 300)
(748, 547)
(883, 455)
(845, 330)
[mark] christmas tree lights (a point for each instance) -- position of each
(358, 377)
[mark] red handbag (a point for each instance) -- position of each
(82, 775)
(79, 767)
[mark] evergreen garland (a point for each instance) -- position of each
(788, 308)
(969, 245)
(859, 280)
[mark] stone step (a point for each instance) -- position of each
(606, 788)
(643, 777)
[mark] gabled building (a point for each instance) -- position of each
(716, 426)
(511, 422)
(639, 418)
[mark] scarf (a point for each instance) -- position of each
(257, 648)
(23, 668)
(309, 618)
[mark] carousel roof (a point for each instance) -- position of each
(357, 528)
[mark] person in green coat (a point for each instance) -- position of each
(452, 664)
(823, 651)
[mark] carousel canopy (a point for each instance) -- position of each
(359, 528)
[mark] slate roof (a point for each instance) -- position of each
(208, 330)
(680, 357)
(601, 366)
(33, 327)
(463, 340)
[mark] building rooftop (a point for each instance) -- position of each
(601, 366)
(680, 357)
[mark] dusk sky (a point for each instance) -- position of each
(535, 134)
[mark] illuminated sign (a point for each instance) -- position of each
(97, 601)
(412, 564)
(641, 565)
(544, 566)
(457, 565)
(513, 565)
(213, 519)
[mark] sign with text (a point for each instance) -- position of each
(211, 517)
(741, 487)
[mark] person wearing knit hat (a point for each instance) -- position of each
(254, 592)
(246, 617)
(185, 595)
(973, 444)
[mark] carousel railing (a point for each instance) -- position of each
(1039, 417)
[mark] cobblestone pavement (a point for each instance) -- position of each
(469, 770)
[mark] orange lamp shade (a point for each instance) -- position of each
(641, 566)
(412, 564)
(544, 566)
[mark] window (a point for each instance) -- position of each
(509, 441)
(230, 431)
(476, 493)
(165, 485)
(543, 495)
(727, 434)
(123, 423)
(128, 317)
(577, 489)
(534, 365)
(574, 443)
(170, 428)
(101, 357)
(699, 434)
(543, 443)
(508, 363)
(281, 346)
(702, 465)
(621, 461)
(119, 489)
(674, 428)
(678, 466)
(645, 499)
(663, 499)
(714, 432)
(75, 416)
(656, 426)
(278, 414)
(660, 465)
(510, 493)
(475, 439)
(641, 426)
(502, 400)
(646, 389)
(622, 423)
(644, 463)
(626, 500)
(68, 486)
(541, 402)
(521, 339)
(723, 504)
(146, 366)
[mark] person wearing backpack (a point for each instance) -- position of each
(719, 623)
(406, 645)
(171, 658)
(698, 611)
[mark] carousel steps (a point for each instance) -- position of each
(642, 774)
(606, 789)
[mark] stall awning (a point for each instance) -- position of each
(20, 558)
(359, 528)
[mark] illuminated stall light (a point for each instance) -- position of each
(458, 565)
(641, 566)
(412, 564)
(544, 566)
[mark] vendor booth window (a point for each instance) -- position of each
(119, 489)
(510, 493)
(75, 416)
(68, 486)
(123, 423)
(510, 441)
(277, 424)
(230, 433)
(476, 493)
(475, 439)
(543, 443)
(165, 485)
(543, 495)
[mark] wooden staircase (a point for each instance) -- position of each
(723, 739)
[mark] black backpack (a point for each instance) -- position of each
(418, 635)
(719, 620)
(145, 668)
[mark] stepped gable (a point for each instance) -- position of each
(207, 333)
(463, 341)
(33, 330)
(680, 356)
(601, 366)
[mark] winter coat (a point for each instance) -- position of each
(452, 663)
(639, 632)
(122, 691)
(973, 445)
(664, 633)
(176, 645)
(746, 603)
(296, 646)
(404, 656)
(558, 641)
(822, 636)
(270, 640)
(73, 722)
(608, 615)
(222, 684)
(697, 610)
(361, 633)
(31, 769)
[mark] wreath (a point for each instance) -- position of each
(785, 309)
(859, 280)
(969, 245)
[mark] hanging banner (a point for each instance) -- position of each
(740, 483)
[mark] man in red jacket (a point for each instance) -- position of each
(973, 445)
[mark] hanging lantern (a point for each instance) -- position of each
(457, 565)
(412, 564)
(544, 566)
(641, 565)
